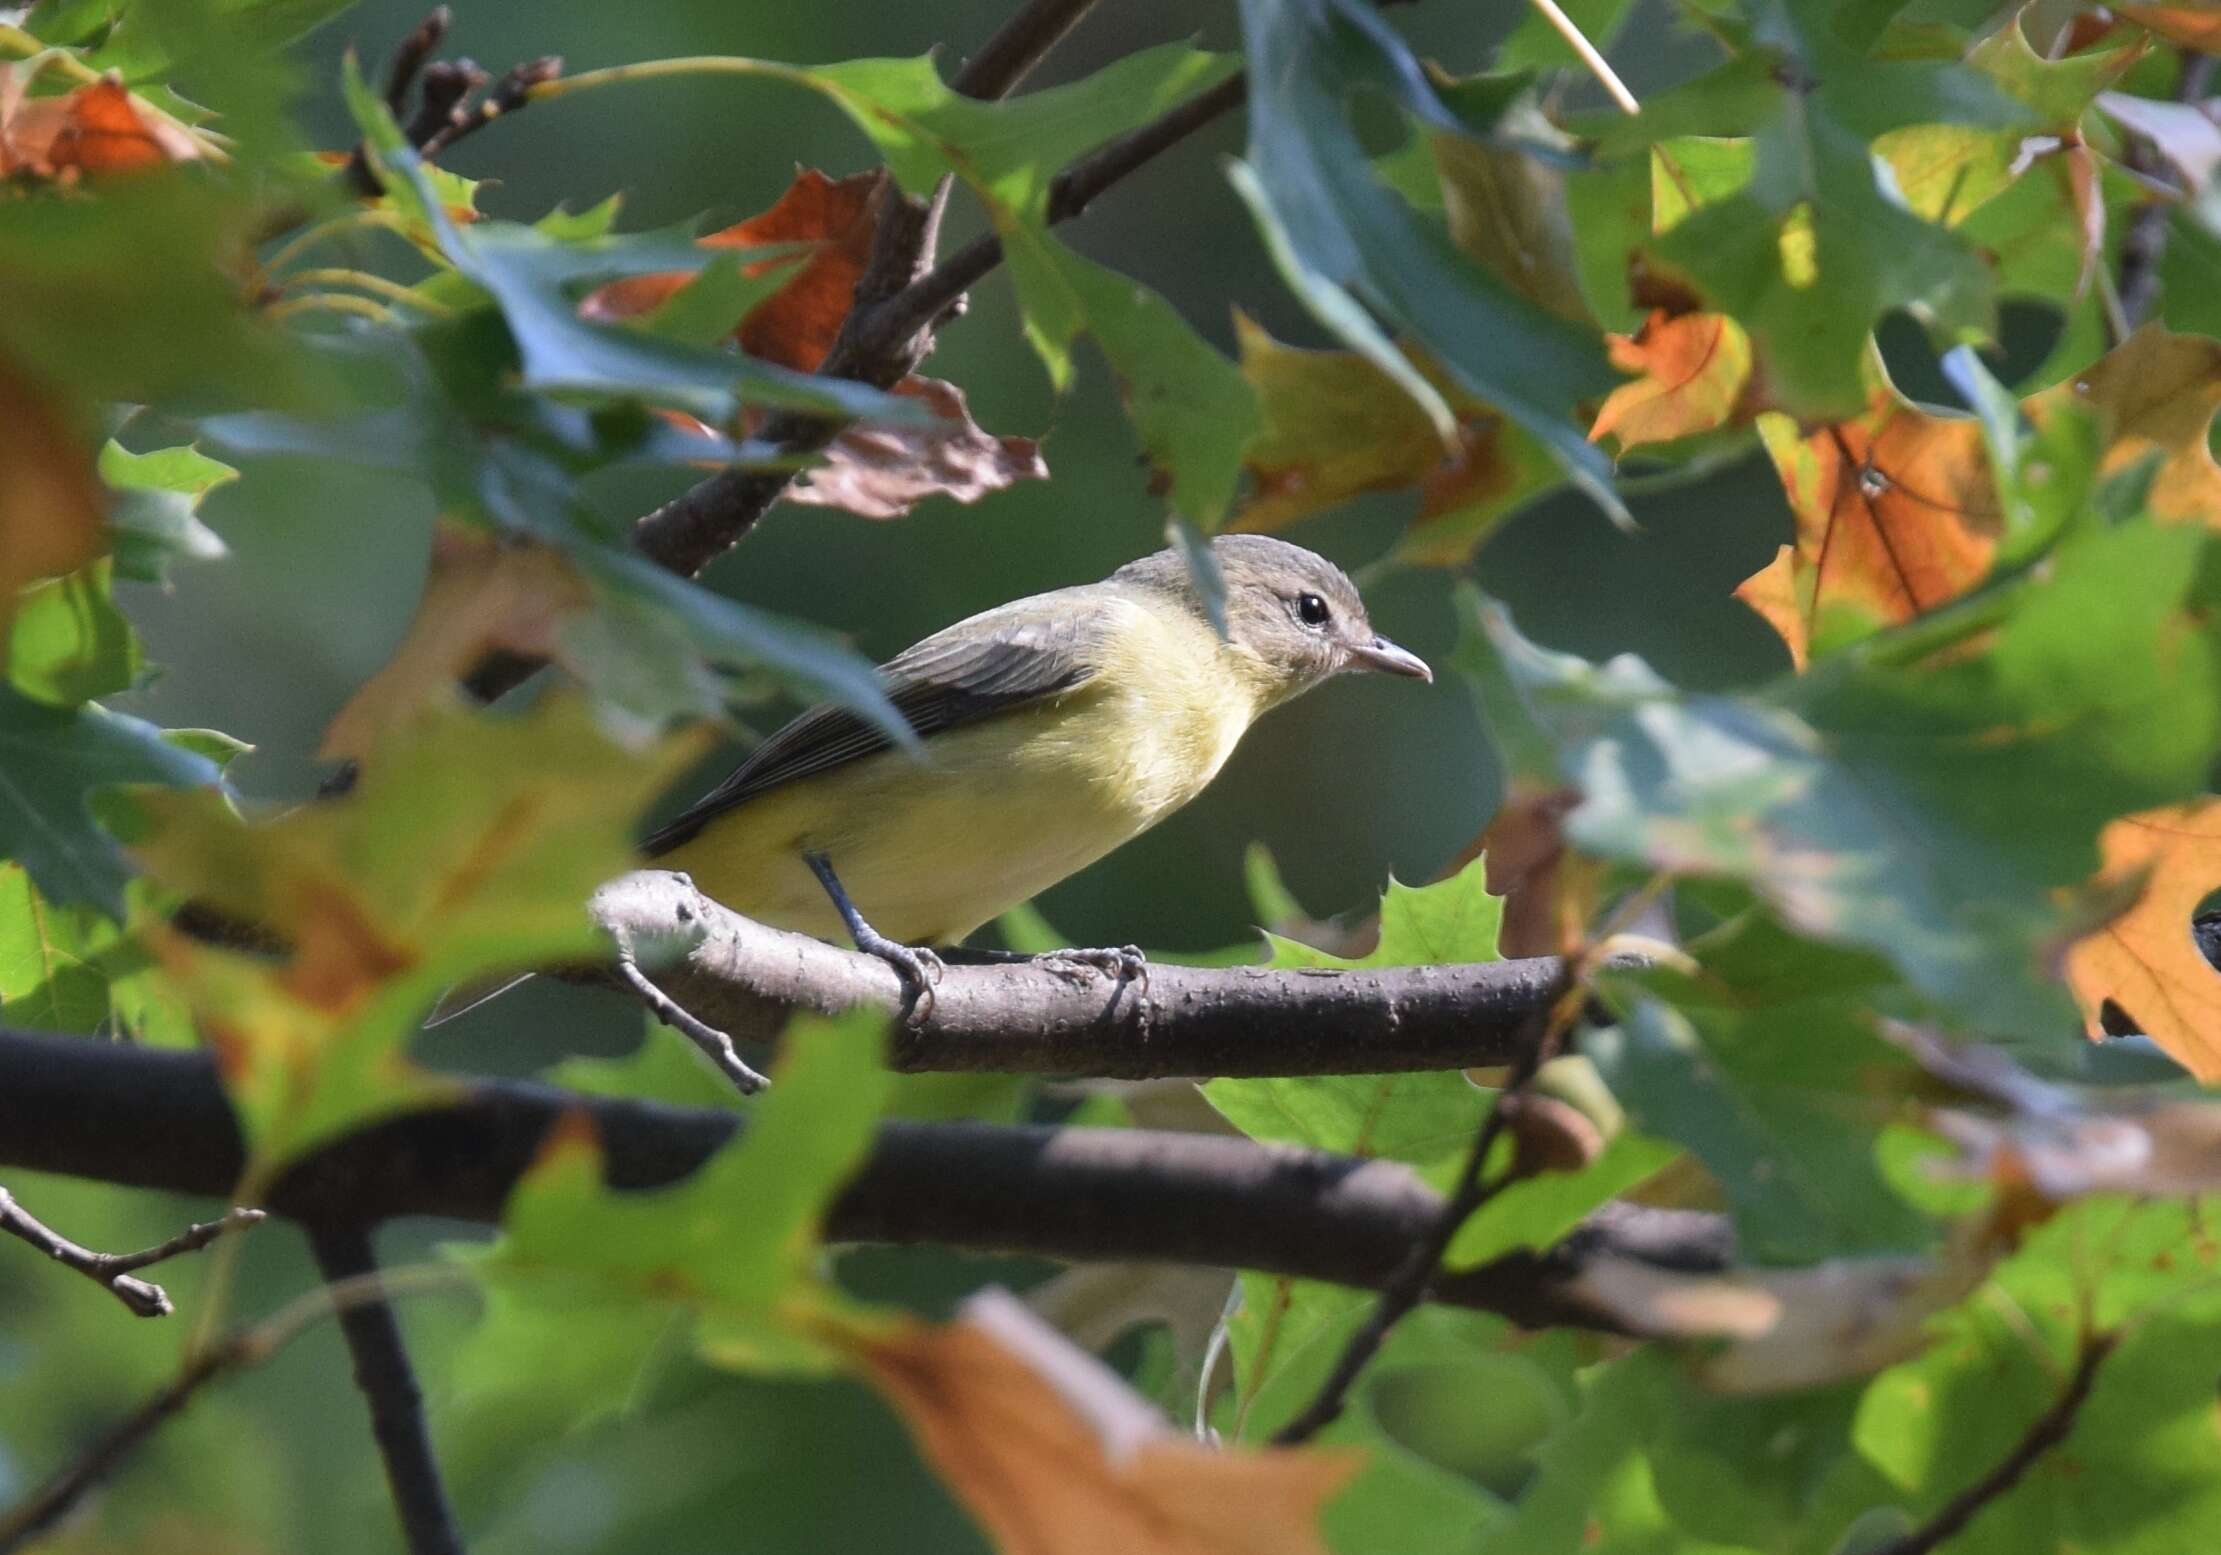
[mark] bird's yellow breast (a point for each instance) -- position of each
(930, 846)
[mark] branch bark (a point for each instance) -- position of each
(113, 1271)
(1074, 1193)
(1027, 1018)
(387, 1381)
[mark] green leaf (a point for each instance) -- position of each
(68, 642)
(1779, 1105)
(51, 760)
(1537, 1212)
(154, 513)
(1346, 243)
(73, 969)
(600, 1276)
(1932, 795)
(2142, 1466)
(1425, 1120)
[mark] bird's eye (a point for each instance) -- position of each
(1311, 610)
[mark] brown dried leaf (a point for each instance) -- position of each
(1056, 1455)
(796, 325)
(100, 128)
(1895, 513)
(482, 596)
(2146, 961)
(884, 472)
(50, 503)
(1695, 376)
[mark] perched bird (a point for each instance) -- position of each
(1054, 729)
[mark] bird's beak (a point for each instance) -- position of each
(1383, 655)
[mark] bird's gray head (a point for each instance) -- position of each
(1291, 613)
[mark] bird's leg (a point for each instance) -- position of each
(1120, 963)
(918, 967)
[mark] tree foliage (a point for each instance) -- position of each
(1884, 980)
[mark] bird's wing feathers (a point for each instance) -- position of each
(993, 663)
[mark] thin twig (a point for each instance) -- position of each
(511, 94)
(1410, 1284)
(2047, 1431)
(1019, 44)
(2145, 244)
(113, 1270)
(716, 1044)
(448, 84)
(236, 1351)
(408, 62)
(1589, 55)
(388, 1384)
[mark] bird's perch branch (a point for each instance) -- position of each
(1072, 1193)
(1029, 1019)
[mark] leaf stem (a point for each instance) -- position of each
(1589, 54)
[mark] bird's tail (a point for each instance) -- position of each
(465, 997)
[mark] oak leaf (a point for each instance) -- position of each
(99, 128)
(796, 325)
(2147, 962)
(483, 595)
(884, 472)
(1337, 427)
(1895, 513)
(1056, 1455)
(2193, 26)
(2157, 392)
(1694, 376)
(50, 504)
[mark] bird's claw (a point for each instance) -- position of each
(1119, 963)
(919, 969)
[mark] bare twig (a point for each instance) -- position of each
(1589, 54)
(1071, 1193)
(1420, 1268)
(2145, 244)
(2048, 1430)
(714, 1043)
(236, 1351)
(409, 58)
(1021, 43)
(448, 83)
(388, 1384)
(113, 1270)
(512, 93)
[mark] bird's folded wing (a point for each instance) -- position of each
(1004, 659)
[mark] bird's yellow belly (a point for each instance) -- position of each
(932, 846)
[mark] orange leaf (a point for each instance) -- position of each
(1695, 377)
(796, 325)
(50, 504)
(482, 596)
(884, 472)
(1895, 513)
(1056, 1455)
(2146, 962)
(99, 128)
(2193, 26)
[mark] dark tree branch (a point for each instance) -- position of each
(2050, 1429)
(1021, 43)
(745, 977)
(409, 58)
(2146, 242)
(112, 1271)
(512, 93)
(1076, 1194)
(388, 1384)
(447, 84)
(1474, 1188)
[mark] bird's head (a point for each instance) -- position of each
(1293, 616)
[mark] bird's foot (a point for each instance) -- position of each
(1119, 963)
(917, 967)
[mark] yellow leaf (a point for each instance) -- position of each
(1695, 376)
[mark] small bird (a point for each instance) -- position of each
(1054, 729)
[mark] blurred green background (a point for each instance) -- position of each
(1358, 781)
